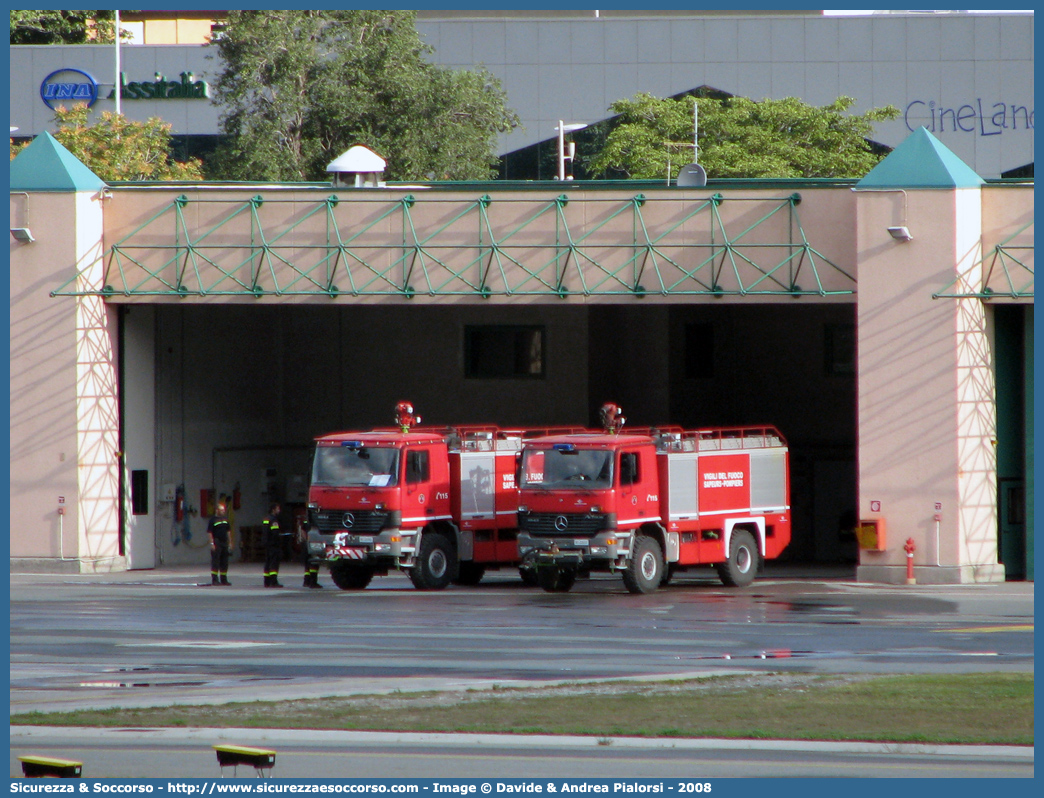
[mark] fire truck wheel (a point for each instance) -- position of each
(645, 569)
(741, 567)
(350, 577)
(469, 574)
(555, 580)
(529, 577)
(668, 574)
(434, 569)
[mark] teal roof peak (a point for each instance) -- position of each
(45, 165)
(921, 161)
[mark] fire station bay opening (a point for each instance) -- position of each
(229, 396)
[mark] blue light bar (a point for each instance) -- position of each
(563, 447)
(352, 444)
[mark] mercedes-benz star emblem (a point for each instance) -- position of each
(561, 523)
(347, 520)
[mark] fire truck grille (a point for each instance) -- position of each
(555, 524)
(362, 522)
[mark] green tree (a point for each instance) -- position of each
(738, 138)
(115, 148)
(298, 88)
(62, 27)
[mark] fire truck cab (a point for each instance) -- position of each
(381, 500)
(440, 504)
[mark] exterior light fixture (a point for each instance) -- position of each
(901, 233)
(563, 156)
(22, 234)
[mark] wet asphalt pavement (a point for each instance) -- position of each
(155, 637)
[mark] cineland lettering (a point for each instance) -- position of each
(983, 119)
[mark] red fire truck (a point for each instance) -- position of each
(440, 504)
(651, 503)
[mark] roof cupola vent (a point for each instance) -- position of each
(359, 167)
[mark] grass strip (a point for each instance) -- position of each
(978, 708)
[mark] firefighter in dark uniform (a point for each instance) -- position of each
(219, 530)
(311, 577)
(311, 566)
(273, 545)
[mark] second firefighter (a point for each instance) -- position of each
(273, 539)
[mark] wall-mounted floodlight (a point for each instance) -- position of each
(562, 129)
(901, 233)
(22, 235)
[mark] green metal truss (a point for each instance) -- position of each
(469, 252)
(1008, 265)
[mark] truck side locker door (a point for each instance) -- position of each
(679, 502)
(505, 486)
(477, 502)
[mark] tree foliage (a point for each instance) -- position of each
(738, 137)
(115, 148)
(298, 88)
(62, 27)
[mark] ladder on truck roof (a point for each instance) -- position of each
(480, 438)
(720, 439)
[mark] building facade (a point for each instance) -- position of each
(169, 340)
(967, 78)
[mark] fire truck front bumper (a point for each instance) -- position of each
(603, 551)
(383, 549)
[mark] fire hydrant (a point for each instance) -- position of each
(909, 548)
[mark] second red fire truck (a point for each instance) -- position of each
(649, 504)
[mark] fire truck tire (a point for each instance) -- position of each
(434, 567)
(645, 569)
(556, 580)
(741, 567)
(529, 577)
(469, 573)
(350, 577)
(668, 574)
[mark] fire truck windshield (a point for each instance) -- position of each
(561, 469)
(348, 467)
